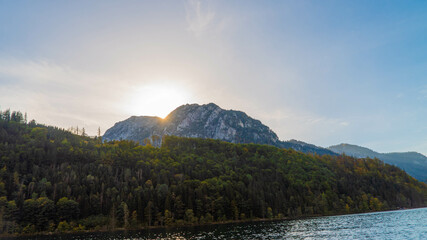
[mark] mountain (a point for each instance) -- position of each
(204, 121)
(415, 164)
(354, 151)
(54, 181)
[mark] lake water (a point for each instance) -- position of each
(401, 224)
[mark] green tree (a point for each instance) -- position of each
(67, 209)
(63, 226)
(149, 211)
(30, 212)
(126, 224)
(269, 213)
(45, 212)
(134, 220)
(235, 210)
(189, 216)
(168, 218)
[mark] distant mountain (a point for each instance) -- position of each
(415, 164)
(354, 151)
(204, 121)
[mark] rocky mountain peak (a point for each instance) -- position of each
(204, 121)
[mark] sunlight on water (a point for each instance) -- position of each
(402, 224)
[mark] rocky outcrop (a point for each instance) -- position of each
(204, 121)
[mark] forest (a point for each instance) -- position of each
(52, 180)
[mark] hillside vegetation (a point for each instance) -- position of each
(415, 164)
(53, 180)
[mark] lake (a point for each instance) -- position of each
(401, 224)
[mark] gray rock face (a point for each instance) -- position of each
(203, 121)
(415, 164)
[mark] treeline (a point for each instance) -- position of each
(53, 180)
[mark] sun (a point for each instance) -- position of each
(156, 99)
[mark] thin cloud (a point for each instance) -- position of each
(290, 123)
(424, 92)
(199, 18)
(29, 71)
(345, 124)
(49, 91)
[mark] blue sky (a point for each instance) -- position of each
(323, 72)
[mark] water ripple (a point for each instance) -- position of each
(402, 224)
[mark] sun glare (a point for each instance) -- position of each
(156, 100)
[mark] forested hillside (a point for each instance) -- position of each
(53, 180)
(415, 164)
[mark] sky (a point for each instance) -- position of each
(323, 72)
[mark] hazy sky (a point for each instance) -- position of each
(324, 72)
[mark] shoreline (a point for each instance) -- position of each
(191, 225)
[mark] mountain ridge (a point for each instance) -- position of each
(204, 121)
(412, 162)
